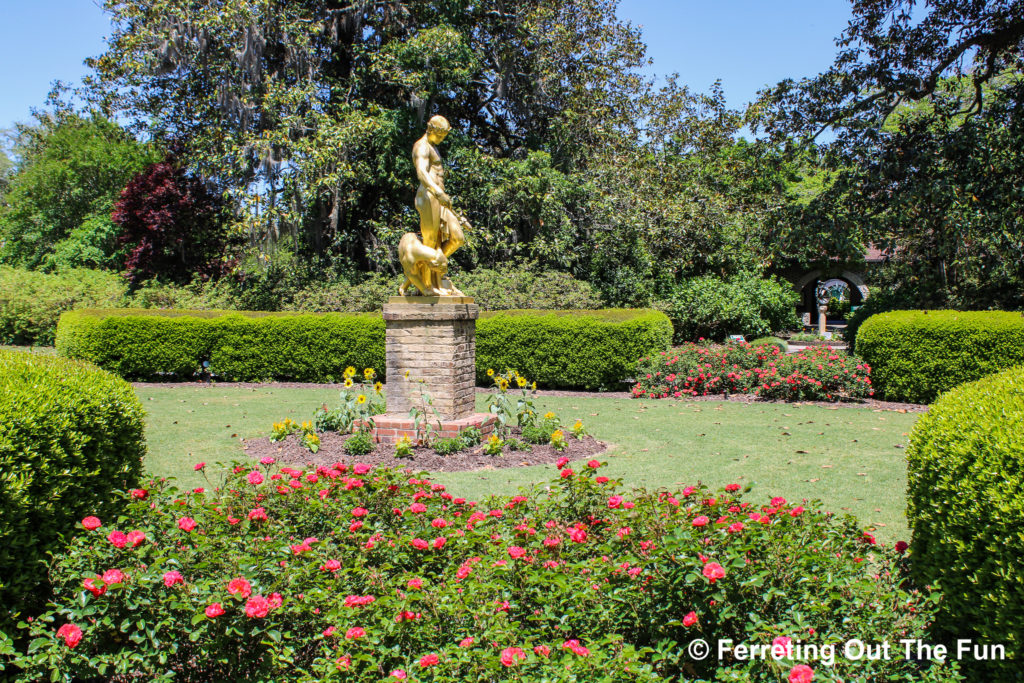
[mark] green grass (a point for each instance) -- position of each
(849, 458)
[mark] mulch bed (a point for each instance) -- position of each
(289, 452)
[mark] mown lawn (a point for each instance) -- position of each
(851, 458)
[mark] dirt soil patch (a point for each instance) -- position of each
(289, 452)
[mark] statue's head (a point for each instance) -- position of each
(437, 129)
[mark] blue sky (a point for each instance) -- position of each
(745, 43)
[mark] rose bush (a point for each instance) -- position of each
(374, 575)
(815, 374)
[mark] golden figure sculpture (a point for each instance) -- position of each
(440, 227)
(420, 264)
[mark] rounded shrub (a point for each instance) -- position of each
(70, 436)
(746, 304)
(347, 573)
(917, 355)
(965, 503)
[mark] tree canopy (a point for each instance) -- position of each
(927, 160)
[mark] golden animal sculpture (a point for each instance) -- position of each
(440, 227)
(421, 264)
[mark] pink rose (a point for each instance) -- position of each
(690, 619)
(714, 571)
(801, 673)
(428, 660)
(239, 587)
(112, 576)
(561, 462)
(118, 539)
(214, 610)
(510, 656)
(91, 523)
(255, 478)
(257, 607)
(355, 632)
(701, 521)
(186, 524)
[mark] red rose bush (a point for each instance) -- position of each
(579, 579)
(815, 374)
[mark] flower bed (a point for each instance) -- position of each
(818, 374)
(359, 574)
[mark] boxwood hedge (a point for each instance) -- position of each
(916, 355)
(965, 503)
(569, 349)
(70, 435)
(231, 345)
(586, 349)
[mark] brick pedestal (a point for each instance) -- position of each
(432, 339)
(390, 428)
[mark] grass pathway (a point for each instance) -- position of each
(850, 458)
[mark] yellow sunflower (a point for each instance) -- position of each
(350, 371)
(369, 373)
(360, 399)
(490, 372)
(348, 383)
(378, 387)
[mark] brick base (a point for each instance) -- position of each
(390, 428)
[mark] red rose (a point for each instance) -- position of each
(515, 552)
(562, 462)
(593, 464)
(542, 650)
(92, 523)
(71, 634)
(118, 539)
(186, 524)
(428, 660)
(214, 610)
(701, 521)
(690, 619)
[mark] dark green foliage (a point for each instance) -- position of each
(32, 301)
(924, 107)
(514, 444)
(359, 443)
(965, 500)
(586, 349)
(527, 287)
(56, 210)
(746, 304)
(70, 435)
(780, 344)
(917, 355)
(173, 345)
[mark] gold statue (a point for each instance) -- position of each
(440, 228)
(421, 265)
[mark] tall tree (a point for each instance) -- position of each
(925, 105)
(56, 209)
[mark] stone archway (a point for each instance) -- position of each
(805, 286)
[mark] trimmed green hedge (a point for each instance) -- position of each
(236, 346)
(569, 349)
(916, 355)
(585, 349)
(965, 505)
(70, 435)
